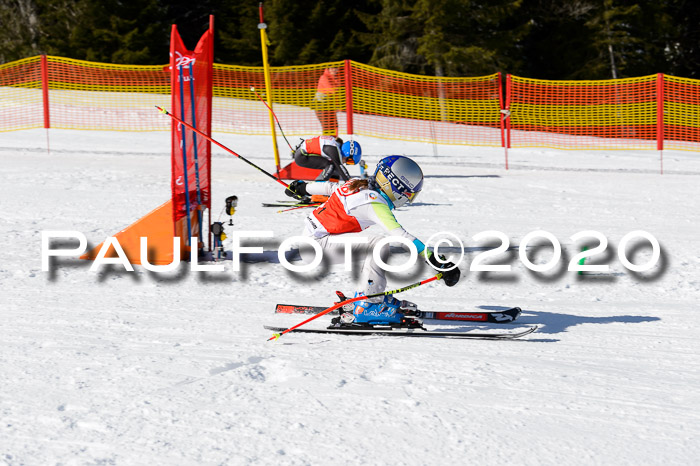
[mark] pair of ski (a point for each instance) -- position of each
(305, 202)
(508, 315)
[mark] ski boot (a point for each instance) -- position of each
(389, 312)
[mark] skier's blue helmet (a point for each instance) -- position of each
(400, 178)
(352, 152)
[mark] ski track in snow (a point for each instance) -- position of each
(112, 367)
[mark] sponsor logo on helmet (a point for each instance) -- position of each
(394, 180)
(408, 182)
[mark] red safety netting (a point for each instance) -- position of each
(102, 96)
(681, 113)
(609, 114)
(238, 91)
(395, 105)
(649, 112)
(21, 97)
(351, 98)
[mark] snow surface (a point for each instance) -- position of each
(112, 367)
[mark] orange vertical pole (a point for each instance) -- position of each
(45, 90)
(507, 116)
(44, 65)
(501, 117)
(660, 118)
(348, 96)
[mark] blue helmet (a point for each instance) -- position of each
(352, 152)
(400, 178)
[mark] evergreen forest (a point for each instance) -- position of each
(545, 39)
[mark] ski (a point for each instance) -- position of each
(411, 333)
(495, 317)
(288, 204)
(309, 201)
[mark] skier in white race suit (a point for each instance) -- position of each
(356, 205)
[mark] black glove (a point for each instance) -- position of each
(450, 277)
(296, 189)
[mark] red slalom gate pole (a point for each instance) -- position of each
(352, 300)
(162, 110)
(252, 89)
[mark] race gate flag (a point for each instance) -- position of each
(191, 90)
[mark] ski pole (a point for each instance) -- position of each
(299, 207)
(352, 300)
(184, 162)
(162, 110)
(252, 89)
(194, 145)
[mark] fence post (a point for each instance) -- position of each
(660, 118)
(501, 113)
(506, 116)
(45, 90)
(348, 96)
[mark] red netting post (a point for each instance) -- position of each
(506, 116)
(45, 90)
(500, 107)
(348, 96)
(44, 64)
(660, 118)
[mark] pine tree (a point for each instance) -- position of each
(21, 30)
(315, 31)
(465, 37)
(680, 37)
(393, 35)
(236, 32)
(558, 43)
(611, 26)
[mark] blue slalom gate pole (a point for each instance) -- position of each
(184, 157)
(196, 158)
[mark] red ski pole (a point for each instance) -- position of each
(252, 89)
(352, 300)
(162, 110)
(299, 207)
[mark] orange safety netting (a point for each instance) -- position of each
(606, 114)
(102, 96)
(393, 105)
(681, 113)
(83, 95)
(21, 98)
(238, 109)
(647, 112)
(315, 99)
